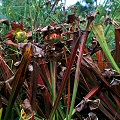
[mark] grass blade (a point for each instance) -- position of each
(77, 74)
(93, 91)
(105, 99)
(66, 75)
(106, 112)
(18, 80)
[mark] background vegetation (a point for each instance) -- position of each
(59, 63)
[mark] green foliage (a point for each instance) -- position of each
(99, 32)
(83, 74)
(1, 113)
